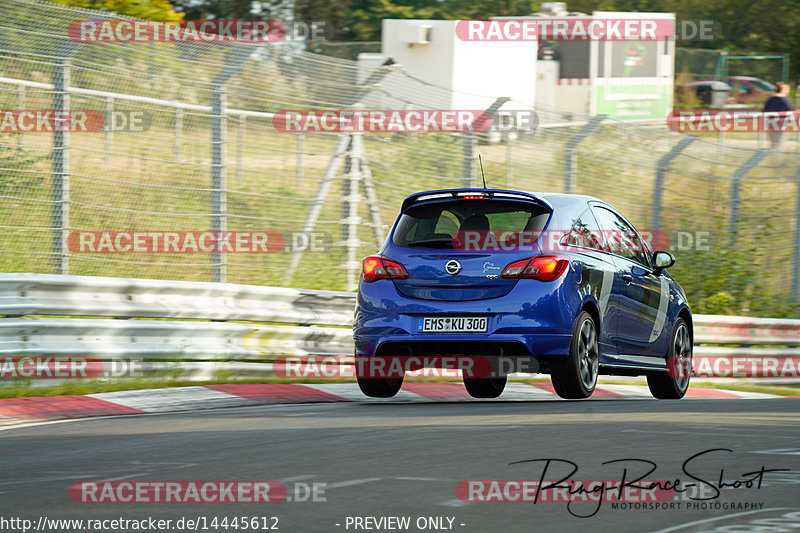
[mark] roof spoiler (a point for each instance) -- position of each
(473, 194)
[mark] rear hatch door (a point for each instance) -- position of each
(455, 249)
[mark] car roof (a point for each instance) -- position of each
(561, 197)
(570, 205)
(706, 82)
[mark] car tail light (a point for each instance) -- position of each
(541, 267)
(377, 267)
(477, 195)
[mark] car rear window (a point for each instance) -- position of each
(443, 224)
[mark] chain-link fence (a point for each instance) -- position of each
(212, 160)
(693, 64)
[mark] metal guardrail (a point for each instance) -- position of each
(747, 347)
(167, 339)
(722, 329)
(169, 319)
(212, 324)
(75, 296)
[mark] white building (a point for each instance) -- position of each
(446, 72)
(624, 79)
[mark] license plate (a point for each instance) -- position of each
(452, 324)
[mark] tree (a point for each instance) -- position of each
(366, 17)
(360, 20)
(765, 26)
(143, 9)
(235, 9)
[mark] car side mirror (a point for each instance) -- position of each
(662, 260)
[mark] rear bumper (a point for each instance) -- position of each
(536, 345)
(534, 315)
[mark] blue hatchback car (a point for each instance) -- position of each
(557, 283)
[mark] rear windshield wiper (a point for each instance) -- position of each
(431, 243)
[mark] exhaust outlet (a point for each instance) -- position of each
(495, 350)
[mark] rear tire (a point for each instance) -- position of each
(380, 387)
(485, 387)
(576, 376)
(673, 384)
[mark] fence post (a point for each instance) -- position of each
(372, 81)
(785, 69)
(299, 168)
(469, 160)
(796, 250)
(61, 172)
(176, 145)
(740, 173)
(60, 213)
(369, 191)
(469, 139)
(509, 165)
(346, 183)
(109, 126)
(219, 197)
(352, 198)
(234, 61)
(571, 154)
(239, 148)
(661, 170)
(21, 104)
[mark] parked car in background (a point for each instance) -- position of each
(745, 90)
(710, 93)
(750, 90)
(739, 91)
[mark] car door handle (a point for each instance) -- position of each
(627, 278)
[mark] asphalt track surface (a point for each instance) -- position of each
(381, 459)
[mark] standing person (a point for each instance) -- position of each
(779, 102)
